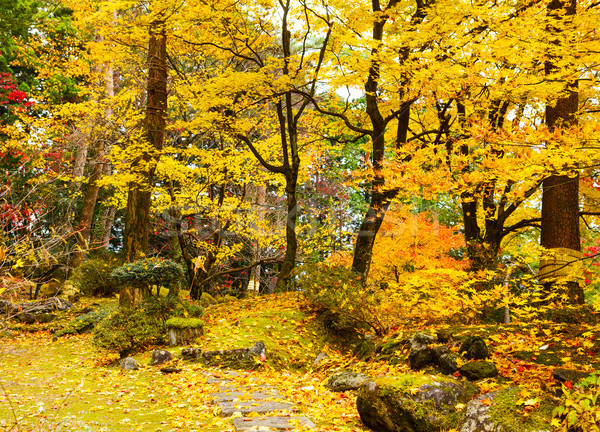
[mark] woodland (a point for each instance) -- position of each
(364, 170)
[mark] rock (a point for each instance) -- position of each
(129, 363)
(273, 423)
(447, 363)
(420, 353)
(26, 318)
(183, 331)
(495, 412)
(418, 358)
(160, 357)
(191, 354)
(170, 370)
(320, 358)
(345, 380)
(564, 375)
(444, 335)
(439, 351)
(474, 348)
(241, 358)
(44, 318)
(206, 300)
(421, 339)
(412, 403)
(476, 370)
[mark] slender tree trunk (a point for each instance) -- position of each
(560, 197)
(284, 280)
(137, 219)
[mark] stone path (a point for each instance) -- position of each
(256, 399)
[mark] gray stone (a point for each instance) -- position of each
(478, 418)
(474, 348)
(242, 358)
(396, 404)
(477, 370)
(320, 358)
(272, 424)
(233, 394)
(421, 339)
(420, 357)
(129, 363)
(160, 357)
(344, 381)
(448, 363)
(247, 407)
(564, 375)
(191, 354)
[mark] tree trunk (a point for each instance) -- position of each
(284, 280)
(137, 219)
(560, 193)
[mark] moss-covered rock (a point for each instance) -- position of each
(418, 403)
(475, 348)
(502, 410)
(477, 370)
(206, 300)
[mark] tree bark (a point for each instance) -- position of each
(560, 196)
(137, 219)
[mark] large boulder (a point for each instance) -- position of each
(345, 380)
(415, 403)
(241, 358)
(502, 411)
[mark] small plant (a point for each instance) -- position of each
(93, 277)
(580, 410)
(147, 272)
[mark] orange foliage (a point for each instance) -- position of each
(411, 242)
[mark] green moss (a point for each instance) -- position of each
(206, 299)
(507, 408)
(184, 323)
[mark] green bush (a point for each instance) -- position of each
(129, 330)
(341, 298)
(580, 410)
(93, 277)
(162, 308)
(147, 272)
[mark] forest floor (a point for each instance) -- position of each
(67, 385)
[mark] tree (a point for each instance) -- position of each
(560, 198)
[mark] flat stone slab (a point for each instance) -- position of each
(270, 424)
(233, 394)
(247, 407)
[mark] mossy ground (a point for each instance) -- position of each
(68, 385)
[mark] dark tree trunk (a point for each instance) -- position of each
(137, 219)
(560, 198)
(284, 280)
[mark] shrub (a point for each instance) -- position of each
(162, 308)
(86, 322)
(93, 277)
(341, 298)
(150, 271)
(129, 330)
(580, 410)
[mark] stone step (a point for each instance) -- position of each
(271, 424)
(234, 394)
(247, 407)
